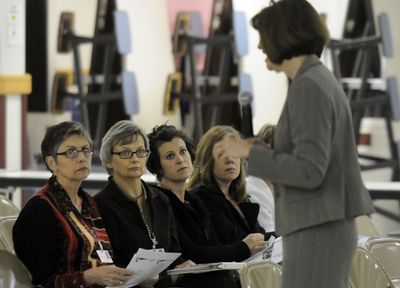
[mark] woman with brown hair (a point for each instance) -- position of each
(221, 184)
(313, 163)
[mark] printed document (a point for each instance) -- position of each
(146, 264)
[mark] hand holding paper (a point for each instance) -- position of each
(147, 264)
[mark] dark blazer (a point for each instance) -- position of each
(198, 238)
(228, 223)
(314, 165)
(200, 242)
(126, 228)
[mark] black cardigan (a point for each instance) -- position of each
(197, 235)
(200, 242)
(126, 228)
(229, 224)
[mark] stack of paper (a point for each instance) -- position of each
(147, 264)
(202, 268)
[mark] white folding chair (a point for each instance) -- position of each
(13, 273)
(367, 272)
(261, 274)
(387, 251)
(7, 208)
(6, 226)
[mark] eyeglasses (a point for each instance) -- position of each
(74, 153)
(126, 154)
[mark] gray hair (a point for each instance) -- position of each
(121, 133)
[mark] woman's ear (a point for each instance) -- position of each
(108, 165)
(51, 163)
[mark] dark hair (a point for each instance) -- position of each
(158, 136)
(57, 134)
(290, 28)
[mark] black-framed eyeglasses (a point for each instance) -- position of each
(74, 153)
(127, 154)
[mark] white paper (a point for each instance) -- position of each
(263, 254)
(277, 254)
(147, 264)
(208, 267)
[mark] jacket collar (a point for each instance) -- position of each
(114, 191)
(309, 62)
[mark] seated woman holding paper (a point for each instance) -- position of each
(135, 214)
(222, 186)
(171, 160)
(59, 234)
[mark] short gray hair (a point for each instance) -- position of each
(57, 134)
(121, 133)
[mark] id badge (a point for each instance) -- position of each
(104, 256)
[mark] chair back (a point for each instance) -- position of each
(261, 274)
(6, 226)
(367, 272)
(7, 208)
(387, 251)
(13, 272)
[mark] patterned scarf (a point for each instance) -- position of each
(83, 233)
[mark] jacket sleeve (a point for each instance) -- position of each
(237, 251)
(226, 230)
(37, 243)
(175, 246)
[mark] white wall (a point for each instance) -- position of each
(151, 59)
(269, 88)
(12, 62)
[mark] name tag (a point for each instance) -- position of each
(104, 256)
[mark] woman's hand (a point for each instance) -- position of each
(187, 263)
(255, 242)
(109, 275)
(229, 147)
(149, 283)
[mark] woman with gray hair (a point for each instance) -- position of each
(135, 214)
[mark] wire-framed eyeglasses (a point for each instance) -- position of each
(74, 153)
(127, 154)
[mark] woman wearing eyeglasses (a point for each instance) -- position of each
(136, 215)
(59, 234)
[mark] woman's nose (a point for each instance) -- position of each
(229, 160)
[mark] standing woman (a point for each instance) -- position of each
(59, 234)
(135, 214)
(313, 164)
(221, 184)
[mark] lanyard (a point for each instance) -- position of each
(150, 233)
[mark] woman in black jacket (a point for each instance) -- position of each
(171, 160)
(222, 186)
(135, 214)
